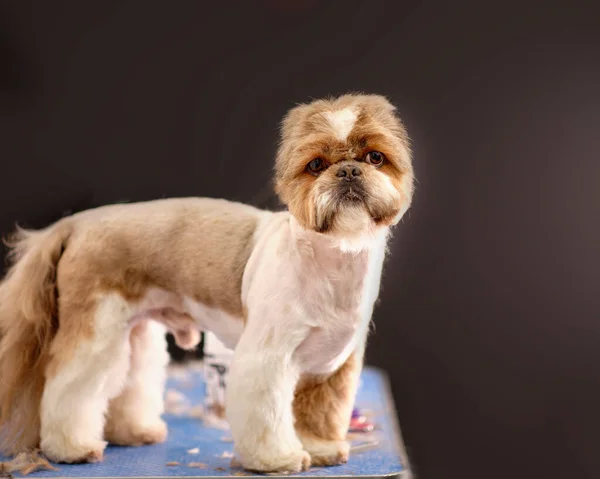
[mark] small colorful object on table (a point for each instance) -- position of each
(359, 422)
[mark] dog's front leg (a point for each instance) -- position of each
(323, 408)
(260, 392)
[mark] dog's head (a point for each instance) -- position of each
(344, 167)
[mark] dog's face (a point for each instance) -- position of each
(343, 166)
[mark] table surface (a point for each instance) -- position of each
(376, 454)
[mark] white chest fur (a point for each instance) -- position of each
(303, 287)
(333, 288)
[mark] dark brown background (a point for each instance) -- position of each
(490, 316)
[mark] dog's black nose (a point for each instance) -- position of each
(348, 172)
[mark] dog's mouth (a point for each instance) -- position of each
(345, 198)
(351, 192)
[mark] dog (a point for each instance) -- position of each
(87, 301)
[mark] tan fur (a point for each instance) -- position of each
(306, 134)
(122, 248)
(323, 408)
(28, 322)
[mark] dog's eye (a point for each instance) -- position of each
(316, 166)
(375, 158)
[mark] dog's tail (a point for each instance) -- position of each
(28, 323)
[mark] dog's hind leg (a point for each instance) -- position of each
(134, 415)
(89, 363)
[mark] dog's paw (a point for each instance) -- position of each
(95, 456)
(276, 462)
(137, 434)
(71, 453)
(326, 453)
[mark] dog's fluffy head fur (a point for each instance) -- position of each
(343, 167)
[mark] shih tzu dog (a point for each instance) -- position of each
(85, 306)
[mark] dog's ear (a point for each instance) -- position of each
(293, 118)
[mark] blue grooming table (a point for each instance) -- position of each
(376, 454)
